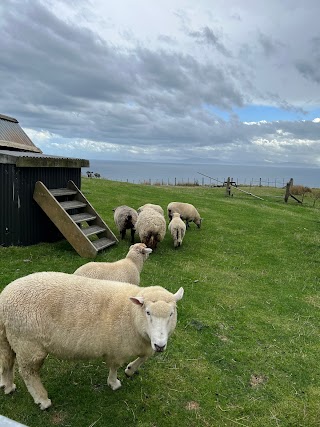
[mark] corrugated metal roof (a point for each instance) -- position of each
(13, 136)
(25, 159)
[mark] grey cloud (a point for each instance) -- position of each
(208, 37)
(167, 39)
(63, 67)
(310, 71)
(66, 79)
(268, 44)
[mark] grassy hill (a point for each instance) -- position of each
(246, 348)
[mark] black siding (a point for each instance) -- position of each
(22, 221)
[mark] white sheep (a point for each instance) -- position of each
(125, 270)
(187, 212)
(157, 208)
(151, 227)
(125, 218)
(177, 229)
(73, 317)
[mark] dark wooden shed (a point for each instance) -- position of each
(22, 164)
(41, 198)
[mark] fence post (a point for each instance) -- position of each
(175, 181)
(228, 187)
(288, 187)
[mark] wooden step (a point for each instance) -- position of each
(102, 243)
(76, 228)
(73, 204)
(82, 217)
(57, 192)
(94, 229)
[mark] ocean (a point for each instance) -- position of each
(203, 174)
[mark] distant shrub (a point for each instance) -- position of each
(315, 193)
(189, 184)
(300, 190)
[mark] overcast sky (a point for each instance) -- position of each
(215, 81)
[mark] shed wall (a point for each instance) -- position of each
(23, 222)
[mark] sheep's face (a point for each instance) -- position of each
(198, 222)
(141, 248)
(176, 215)
(160, 319)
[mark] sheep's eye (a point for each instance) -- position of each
(148, 312)
(171, 314)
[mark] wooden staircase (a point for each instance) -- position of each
(76, 219)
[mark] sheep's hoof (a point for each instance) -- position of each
(130, 372)
(9, 389)
(45, 404)
(114, 385)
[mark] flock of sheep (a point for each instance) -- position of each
(98, 311)
(149, 222)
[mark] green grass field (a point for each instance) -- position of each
(246, 348)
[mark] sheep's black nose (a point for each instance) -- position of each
(159, 348)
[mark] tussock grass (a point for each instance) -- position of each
(246, 348)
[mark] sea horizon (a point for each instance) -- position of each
(139, 172)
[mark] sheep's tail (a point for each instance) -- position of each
(152, 240)
(128, 222)
(179, 237)
(7, 358)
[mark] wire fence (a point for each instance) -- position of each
(203, 180)
(212, 182)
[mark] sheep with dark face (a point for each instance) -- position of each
(125, 219)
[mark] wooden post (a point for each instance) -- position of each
(288, 187)
(228, 187)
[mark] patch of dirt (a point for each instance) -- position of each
(58, 418)
(192, 406)
(257, 380)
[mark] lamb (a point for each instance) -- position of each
(74, 317)
(151, 227)
(187, 212)
(125, 219)
(158, 208)
(177, 229)
(124, 270)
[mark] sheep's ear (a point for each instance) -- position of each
(147, 250)
(137, 300)
(179, 294)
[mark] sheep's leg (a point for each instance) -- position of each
(187, 224)
(123, 234)
(113, 381)
(30, 363)
(7, 358)
(135, 365)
